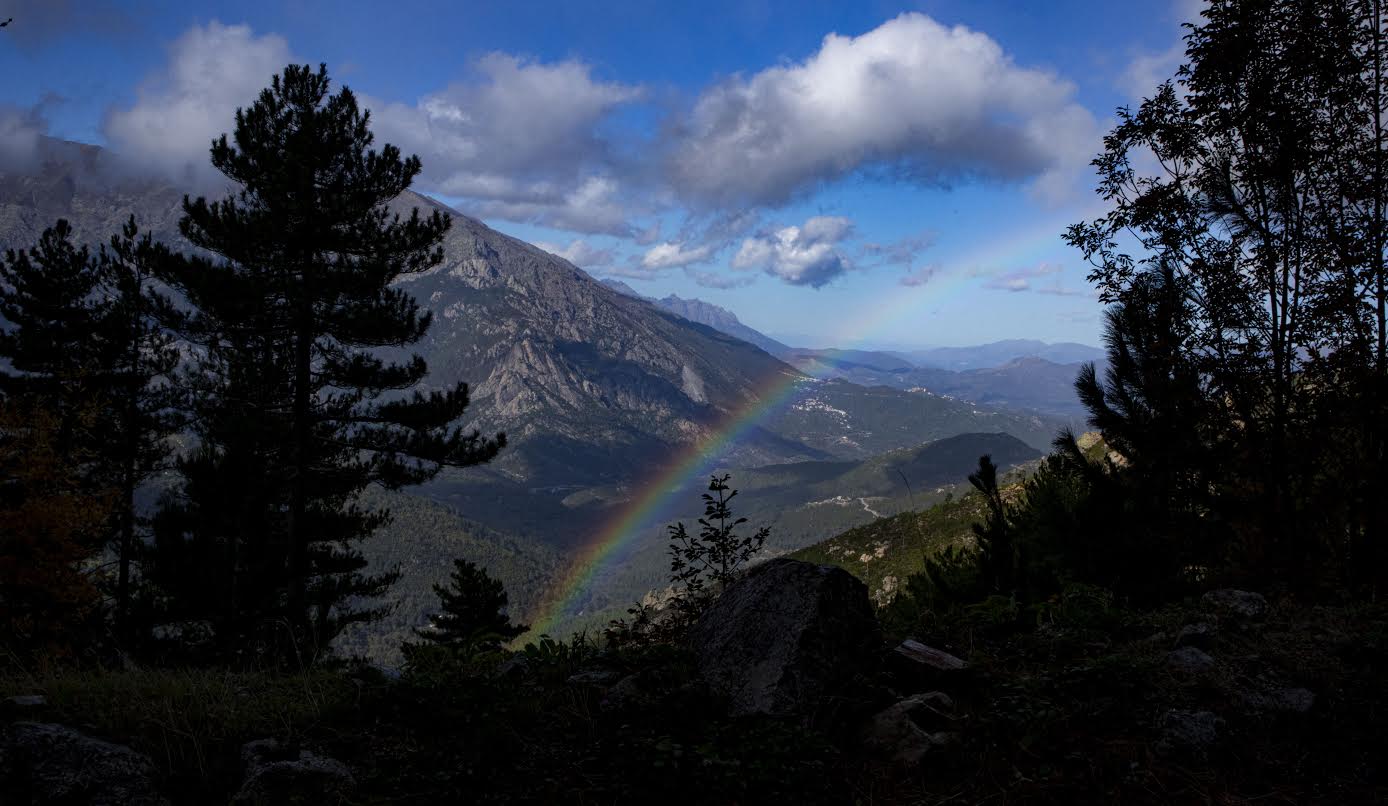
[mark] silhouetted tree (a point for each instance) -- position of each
(717, 552)
(1253, 188)
(997, 550)
(472, 611)
(296, 409)
(86, 342)
(139, 357)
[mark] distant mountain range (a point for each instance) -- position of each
(1018, 373)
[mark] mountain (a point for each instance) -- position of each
(983, 356)
(705, 313)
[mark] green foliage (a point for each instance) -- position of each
(710, 560)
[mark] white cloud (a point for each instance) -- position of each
(804, 255)
(519, 140)
(912, 97)
(212, 70)
(580, 253)
(669, 255)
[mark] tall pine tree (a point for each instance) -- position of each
(296, 407)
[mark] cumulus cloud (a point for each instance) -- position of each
(803, 255)
(926, 102)
(519, 140)
(580, 253)
(212, 70)
(669, 255)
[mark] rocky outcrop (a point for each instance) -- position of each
(42, 763)
(277, 773)
(1237, 604)
(783, 636)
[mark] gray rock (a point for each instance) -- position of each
(902, 734)
(1201, 635)
(593, 677)
(1279, 700)
(627, 694)
(52, 764)
(280, 774)
(928, 657)
(1189, 661)
(783, 636)
(1236, 603)
(1193, 732)
(26, 702)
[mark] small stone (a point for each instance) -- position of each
(1231, 602)
(899, 733)
(1201, 634)
(593, 677)
(1193, 732)
(1189, 661)
(279, 773)
(24, 702)
(627, 694)
(1280, 700)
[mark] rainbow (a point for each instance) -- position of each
(652, 500)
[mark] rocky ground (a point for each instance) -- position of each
(785, 690)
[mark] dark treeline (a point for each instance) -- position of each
(259, 359)
(1244, 410)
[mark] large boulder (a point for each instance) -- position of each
(783, 636)
(42, 763)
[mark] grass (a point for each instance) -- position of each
(190, 722)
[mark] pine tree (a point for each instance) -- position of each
(49, 300)
(138, 359)
(292, 388)
(86, 343)
(472, 611)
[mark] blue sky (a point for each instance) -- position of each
(859, 174)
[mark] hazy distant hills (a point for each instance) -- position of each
(1017, 374)
(1001, 352)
